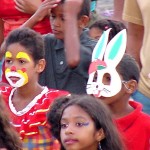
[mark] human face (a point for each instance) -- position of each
(57, 21)
(19, 65)
(78, 130)
(95, 33)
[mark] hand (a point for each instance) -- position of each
(27, 6)
(45, 8)
(72, 7)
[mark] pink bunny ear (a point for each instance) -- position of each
(100, 47)
(116, 49)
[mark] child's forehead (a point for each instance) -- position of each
(17, 50)
(58, 9)
(18, 55)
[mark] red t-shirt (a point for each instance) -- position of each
(13, 18)
(31, 122)
(135, 128)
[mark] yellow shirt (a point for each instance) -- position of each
(138, 12)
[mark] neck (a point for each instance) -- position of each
(121, 108)
(29, 90)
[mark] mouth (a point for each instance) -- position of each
(98, 94)
(70, 141)
(14, 79)
(56, 31)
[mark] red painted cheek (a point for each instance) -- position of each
(23, 70)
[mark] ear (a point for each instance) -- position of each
(83, 21)
(100, 135)
(40, 66)
(132, 86)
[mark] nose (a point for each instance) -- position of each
(13, 68)
(56, 22)
(69, 130)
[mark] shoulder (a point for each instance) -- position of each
(86, 41)
(49, 36)
(5, 92)
(52, 42)
(53, 93)
(145, 119)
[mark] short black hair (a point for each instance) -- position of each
(98, 112)
(85, 9)
(29, 39)
(128, 68)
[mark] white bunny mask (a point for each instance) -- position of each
(105, 58)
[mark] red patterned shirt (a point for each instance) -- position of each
(31, 122)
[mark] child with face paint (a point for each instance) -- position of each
(113, 77)
(28, 101)
(63, 69)
(83, 123)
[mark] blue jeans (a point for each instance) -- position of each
(144, 100)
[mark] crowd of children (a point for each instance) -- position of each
(71, 89)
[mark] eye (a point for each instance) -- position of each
(21, 61)
(64, 125)
(8, 61)
(106, 79)
(52, 17)
(62, 18)
(80, 124)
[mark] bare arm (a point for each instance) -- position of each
(72, 43)
(118, 8)
(41, 13)
(135, 40)
(27, 6)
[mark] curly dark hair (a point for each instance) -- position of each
(9, 138)
(29, 39)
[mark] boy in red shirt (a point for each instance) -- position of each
(113, 77)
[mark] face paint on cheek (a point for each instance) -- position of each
(18, 78)
(23, 55)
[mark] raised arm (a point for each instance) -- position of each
(43, 10)
(27, 6)
(72, 43)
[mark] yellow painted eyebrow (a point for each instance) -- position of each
(8, 54)
(23, 55)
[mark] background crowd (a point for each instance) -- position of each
(72, 78)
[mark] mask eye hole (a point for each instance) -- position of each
(95, 77)
(106, 79)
